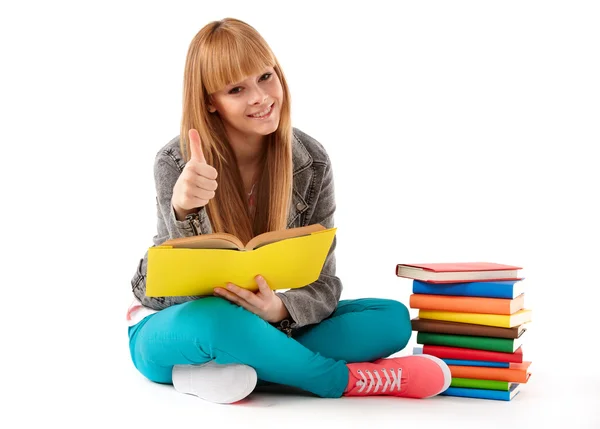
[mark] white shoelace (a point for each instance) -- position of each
(369, 383)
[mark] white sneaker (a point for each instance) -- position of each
(223, 384)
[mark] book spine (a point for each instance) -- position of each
(442, 327)
(466, 304)
(500, 320)
(445, 352)
(462, 362)
(477, 289)
(483, 373)
(497, 395)
(474, 383)
(468, 342)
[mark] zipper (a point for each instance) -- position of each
(284, 326)
(193, 218)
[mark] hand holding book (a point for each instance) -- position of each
(264, 302)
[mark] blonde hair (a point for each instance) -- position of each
(221, 53)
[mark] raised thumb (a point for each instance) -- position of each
(196, 146)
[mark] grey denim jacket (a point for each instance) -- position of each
(313, 201)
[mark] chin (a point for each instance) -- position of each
(266, 130)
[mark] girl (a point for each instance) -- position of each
(239, 166)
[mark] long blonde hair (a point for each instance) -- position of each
(221, 53)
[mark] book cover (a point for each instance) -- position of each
(498, 395)
(509, 289)
(515, 373)
(476, 363)
(504, 345)
(500, 320)
(458, 271)
(445, 327)
(473, 383)
(467, 304)
(286, 259)
(447, 352)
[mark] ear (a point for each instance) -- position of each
(210, 106)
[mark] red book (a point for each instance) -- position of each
(458, 272)
(447, 352)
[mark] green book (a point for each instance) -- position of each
(473, 383)
(506, 345)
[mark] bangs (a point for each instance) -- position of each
(230, 59)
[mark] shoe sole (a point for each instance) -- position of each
(250, 379)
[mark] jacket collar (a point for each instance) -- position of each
(300, 157)
(301, 160)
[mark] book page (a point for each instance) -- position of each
(273, 236)
(206, 241)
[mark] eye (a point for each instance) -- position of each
(237, 89)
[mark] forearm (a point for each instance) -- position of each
(138, 286)
(312, 304)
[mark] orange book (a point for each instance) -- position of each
(467, 304)
(515, 373)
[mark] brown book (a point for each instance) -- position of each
(444, 327)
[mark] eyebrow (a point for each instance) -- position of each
(233, 85)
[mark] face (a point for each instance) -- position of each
(252, 106)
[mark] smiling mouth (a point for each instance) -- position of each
(265, 113)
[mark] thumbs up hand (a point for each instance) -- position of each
(196, 184)
(196, 147)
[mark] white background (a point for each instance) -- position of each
(458, 131)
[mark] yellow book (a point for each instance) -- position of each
(501, 320)
(287, 259)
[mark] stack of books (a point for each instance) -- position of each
(472, 316)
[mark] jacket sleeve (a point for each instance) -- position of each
(317, 301)
(166, 173)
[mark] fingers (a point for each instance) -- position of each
(248, 296)
(263, 286)
(196, 147)
(201, 168)
(205, 183)
(205, 170)
(192, 190)
(236, 299)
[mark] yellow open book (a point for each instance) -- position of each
(287, 259)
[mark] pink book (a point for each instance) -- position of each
(458, 272)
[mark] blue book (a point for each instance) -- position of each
(459, 362)
(498, 395)
(490, 289)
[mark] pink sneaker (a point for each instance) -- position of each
(416, 376)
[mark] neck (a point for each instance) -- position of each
(248, 149)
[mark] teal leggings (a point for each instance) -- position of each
(313, 360)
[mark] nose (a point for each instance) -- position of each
(258, 97)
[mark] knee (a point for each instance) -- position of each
(215, 318)
(398, 323)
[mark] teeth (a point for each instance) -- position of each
(261, 114)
